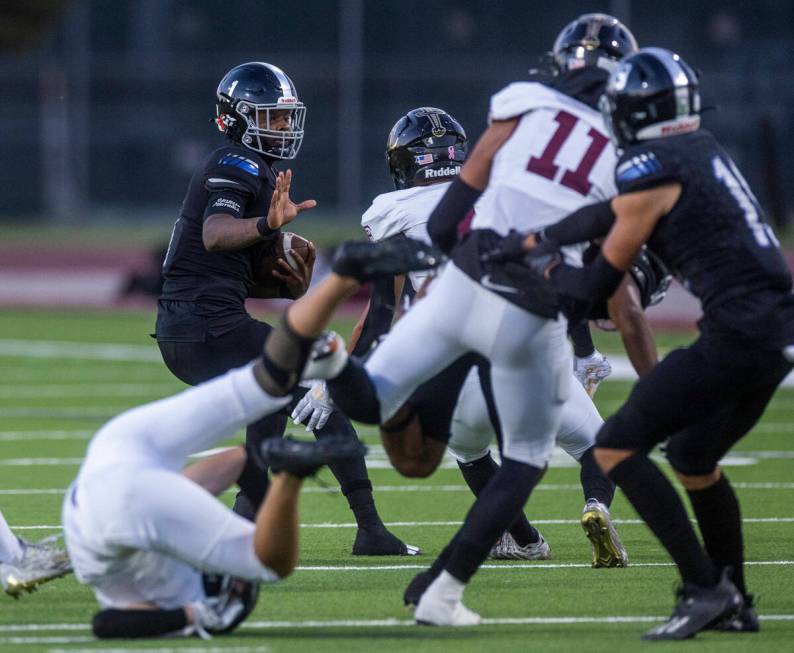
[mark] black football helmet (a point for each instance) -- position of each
(425, 145)
(651, 94)
(249, 96)
(598, 40)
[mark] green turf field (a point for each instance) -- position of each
(52, 396)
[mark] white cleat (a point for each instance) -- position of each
(590, 371)
(328, 357)
(441, 605)
(40, 563)
(608, 550)
(506, 548)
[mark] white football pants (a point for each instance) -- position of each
(530, 359)
(136, 529)
(473, 433)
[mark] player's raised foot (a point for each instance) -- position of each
(379, 541)
(327, 358)
(697, 608)
(301, 459)
(419, 583)
(441, 605)
(363, 260)
(608, 550)
(744, 621)
(41, 562)
(506, 548)
(591, 370)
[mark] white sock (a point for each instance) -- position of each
(448, 587)
(10, 548)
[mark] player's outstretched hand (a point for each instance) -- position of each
(282, 209)
(543, 258)
(296, 280)
(511, 247)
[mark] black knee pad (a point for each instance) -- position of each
(283, 359)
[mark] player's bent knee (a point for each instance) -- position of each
(695, 482)
(410, 452)
(607, 459)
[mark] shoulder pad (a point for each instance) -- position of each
(230, 170)
(644, 166)
(381, 220)
(521, 97)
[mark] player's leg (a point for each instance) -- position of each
(475, 426)
(694, 454)
(530, 370)
(580, 424)
(679, 391)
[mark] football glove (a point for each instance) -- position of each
(223, 612)
(544, 257)
(314, 408)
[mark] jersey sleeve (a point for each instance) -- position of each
(644, 166)
(518, 98)
(383, 220)
(232, 180)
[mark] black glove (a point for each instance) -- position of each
(543, 257)
(511, 247)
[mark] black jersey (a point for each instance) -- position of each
(715, 239)
(234, 181)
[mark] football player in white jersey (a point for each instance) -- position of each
(544, 155)
(425, 149)
(26, 565)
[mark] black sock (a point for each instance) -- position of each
(720, 521)
(354, 394)
(491, 515)
(582, 339)
(657, 502)
(595, 484)
(477, 473)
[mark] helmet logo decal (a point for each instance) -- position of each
(621, 77)
(451, 152)
(423, 159)
(438, 130)
(232, 87)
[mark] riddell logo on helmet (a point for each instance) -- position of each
(288, 100)
(681, 127)
(449, 171)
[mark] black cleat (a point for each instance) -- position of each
(744, 621)
(301, 459)
(363, 260)
(697, 608)
(417, 587)
(380, 542)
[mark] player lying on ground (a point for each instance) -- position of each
(234, 207)
(25, 565)
(682, 194)
(140, 531)
(426, 148)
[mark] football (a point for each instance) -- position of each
(266, 260)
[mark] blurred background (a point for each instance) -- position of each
(106, 104)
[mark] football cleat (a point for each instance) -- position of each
(328, 357)
(301, 459)
(608, 550)
(506, 548)
(697, 608)
(417, 587)
(364, 261)
(380, 542)
(590, 371)
(744, 621)
(40, 563)
(437, 608)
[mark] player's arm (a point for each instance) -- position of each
(590, 222)
(636, 215)
(378, 317)
(625, 310)
(226, 230)
(463, 192)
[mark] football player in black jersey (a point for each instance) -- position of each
(235, 205)
(682, 194)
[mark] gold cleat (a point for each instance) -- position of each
(608, 550)
(40, 563)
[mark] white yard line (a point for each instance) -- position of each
(61, 434)
(92, 390)
(80, 350)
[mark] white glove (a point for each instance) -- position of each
(590, 371)
(315, 408)
(214, 615)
